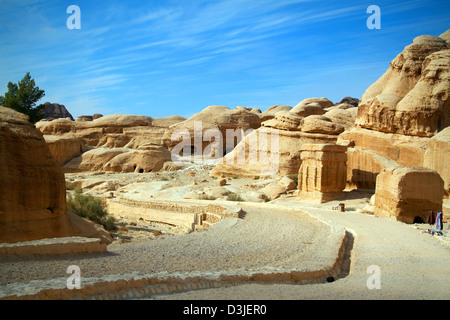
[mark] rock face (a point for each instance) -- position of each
(216, 118)
(412, 97)
(32, 188)
(67, 139)
(147, 158)
(363, 167)
(291, 131)
(404, 193)
(437, 158)
(65, 148)
(55, 111)
(322, 175)
(105, 130)
(268, 151)
(400, 112)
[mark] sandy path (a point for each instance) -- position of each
(413, 265)
(264, 237)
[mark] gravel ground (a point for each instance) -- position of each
(264, 237)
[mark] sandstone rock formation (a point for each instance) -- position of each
(220, 119)
(146, 158)
(399, 113)
(321, 124)
(343, 117)
(89, 118)
(323, 102)
(437, 158)
(412, 97)
(304, 110)
(67, 140)
(350, 100)
(104, 130)
(270, 112)
(267, 151)
(404, 193)
(32, 188)
(322, 175)
(55, 111)
(65, 148)
(284, 120)
(290, 131)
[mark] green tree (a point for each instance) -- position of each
(22, 97)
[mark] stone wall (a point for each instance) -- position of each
(191, 215)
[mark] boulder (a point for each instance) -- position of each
(323, 102)
(321, 124)
(270, 112)
(304, 110)
(344, 117)
(287, 183)
(285, 120)
(273, 190)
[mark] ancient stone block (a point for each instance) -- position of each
(323, 173)
(408, 194)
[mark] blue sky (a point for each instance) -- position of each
(161, 58)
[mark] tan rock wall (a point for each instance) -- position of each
(64, 149)
(32, 188)
(363, 167)
(287, 156)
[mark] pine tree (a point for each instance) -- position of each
(23, 96)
